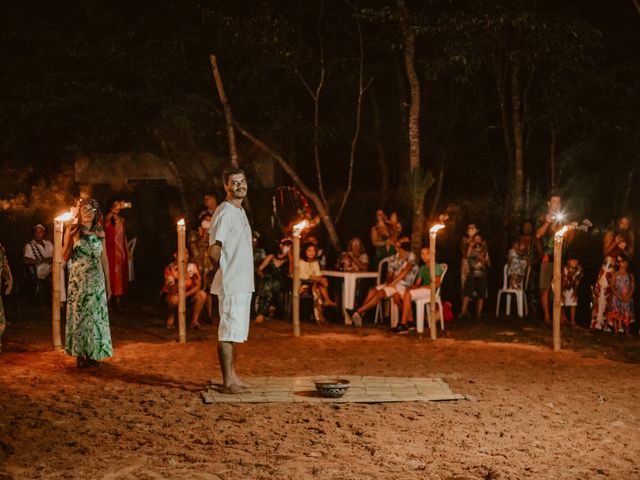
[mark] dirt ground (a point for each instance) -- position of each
(531, 413)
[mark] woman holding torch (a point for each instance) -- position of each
(88, 337)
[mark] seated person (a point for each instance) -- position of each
(421, 289)
(517, 265)
(311, 277)
(193, 290)
(401, 271)
(354, 258)
(273, 274)
(198, 242)
(38, 257)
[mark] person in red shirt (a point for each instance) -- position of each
(193, 291)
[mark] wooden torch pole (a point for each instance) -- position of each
(58, 228)
(433, 232)
(182, 271)
(557, 293)
(295, 295)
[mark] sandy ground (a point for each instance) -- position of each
(530, 414)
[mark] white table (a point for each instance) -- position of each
(349, 284)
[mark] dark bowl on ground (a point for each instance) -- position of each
(332, 387)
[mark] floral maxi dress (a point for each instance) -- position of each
(87, 314)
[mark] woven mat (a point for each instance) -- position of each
(362, 390)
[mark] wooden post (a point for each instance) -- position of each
(56, 267)
(433, 232)
(182, 273)
(295, 295)
(557, 282)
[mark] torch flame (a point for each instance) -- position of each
(65, 217)
(181, 222)
(298, 227)
(436, 227)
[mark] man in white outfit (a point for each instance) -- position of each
(231, 248)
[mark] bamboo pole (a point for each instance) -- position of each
(557, 293)
(295, 295)
(433, 232)
(56, 267)
(182, 304)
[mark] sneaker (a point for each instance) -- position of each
(356, 318)
(401, 329)
(412, 325)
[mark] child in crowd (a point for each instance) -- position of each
(475, 285)
(620, 313)
(571, 276)
(311, 277)
(517, 265)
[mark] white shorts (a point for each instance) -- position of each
(390, 291)
(567, 298)
(422, 293)
(235, 312)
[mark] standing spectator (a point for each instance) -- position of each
(464, 249)
(550, 223)
(401, 273)
(233, 283)
(381, 238)
(199, 253)
(38, 257)
(617, 241)
(354, 258)
(117, 251)
(210, 204)
(395, 227)
(7, 280)
(88, 337)
(571, 276)
(621, 314)
(476, 284)
(528, 239)
(193, 291)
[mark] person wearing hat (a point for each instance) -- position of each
(38, 257)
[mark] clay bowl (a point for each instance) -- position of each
(332, 387)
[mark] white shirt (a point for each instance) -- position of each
(309, 269)
(46, 251)
(230, 226)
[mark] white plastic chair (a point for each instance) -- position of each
(521, 301)
(379, 308)
(422, 304)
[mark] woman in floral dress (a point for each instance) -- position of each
(617, 241)
(88, 337)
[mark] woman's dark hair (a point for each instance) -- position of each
(304, 250)
(97, 219)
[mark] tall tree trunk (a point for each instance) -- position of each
(552, 156)
(500, 74)
(518, 139)
(358, 120)
(627, 191)
(414, 120)
(233, 150)
(320, 206)
(379, 147)
(439, 182)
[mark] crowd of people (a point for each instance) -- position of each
(99, 268)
